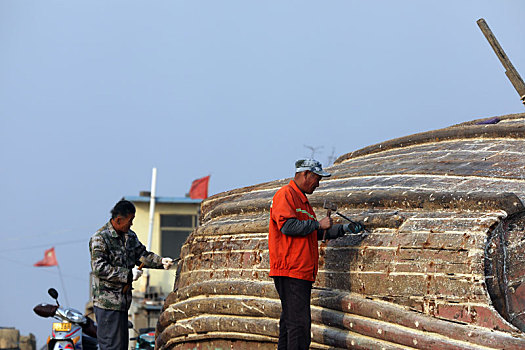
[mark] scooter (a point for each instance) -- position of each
(145, 339)
(75, 331)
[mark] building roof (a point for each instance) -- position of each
(174, 200)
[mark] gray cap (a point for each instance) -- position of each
(312, 165)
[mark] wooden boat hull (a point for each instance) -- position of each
(440, 270)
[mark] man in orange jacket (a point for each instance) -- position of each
(292, 241)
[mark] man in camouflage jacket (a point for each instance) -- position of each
(115, 251)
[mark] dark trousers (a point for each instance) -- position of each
(112, 329)
(295, 322)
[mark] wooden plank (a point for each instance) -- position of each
(456, 241)
(218, 309)
(479, 201)
(511, 72)
(210, 342)
(460, 132)
(469, 287)
(402, 260)
(325, 303)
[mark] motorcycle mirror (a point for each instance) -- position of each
(53, 293)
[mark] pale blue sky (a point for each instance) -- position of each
(93, 94)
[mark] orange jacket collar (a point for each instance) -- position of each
(301, 193)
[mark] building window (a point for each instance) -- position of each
(174, 230)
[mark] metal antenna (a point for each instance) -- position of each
(331, 157)
(511, 72)
(313, 149)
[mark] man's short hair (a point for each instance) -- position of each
(123, 208)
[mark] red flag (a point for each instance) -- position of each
(50, 259)
(199, 188)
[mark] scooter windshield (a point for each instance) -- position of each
(71, 315)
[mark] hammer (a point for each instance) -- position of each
(332, 206)
(128, 286)
(329, 206)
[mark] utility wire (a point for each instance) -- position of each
(43, 269)
(47, 245)
(21, 237)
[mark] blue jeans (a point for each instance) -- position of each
(295, 322)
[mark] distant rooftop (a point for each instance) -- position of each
(162, 199)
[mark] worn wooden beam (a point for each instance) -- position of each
(459, 132)
(230, 309)
(510, 71)
(408, 199)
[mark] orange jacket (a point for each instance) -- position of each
(296, 257)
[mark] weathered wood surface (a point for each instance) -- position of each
(423, 278)
(510, 71)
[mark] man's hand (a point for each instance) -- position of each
(354, 227)
(326, 223)
(167, 262)
(136, 273)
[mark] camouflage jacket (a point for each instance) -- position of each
(112, 259)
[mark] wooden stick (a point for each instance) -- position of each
(511, 72)
(328, 213)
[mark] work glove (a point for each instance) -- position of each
(167, 263)
(136, 273)
(353, 227)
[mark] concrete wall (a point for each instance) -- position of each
(162, 279)
(10, 338)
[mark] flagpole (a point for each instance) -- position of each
(50, 259)
(151, 217)
(63, 285)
